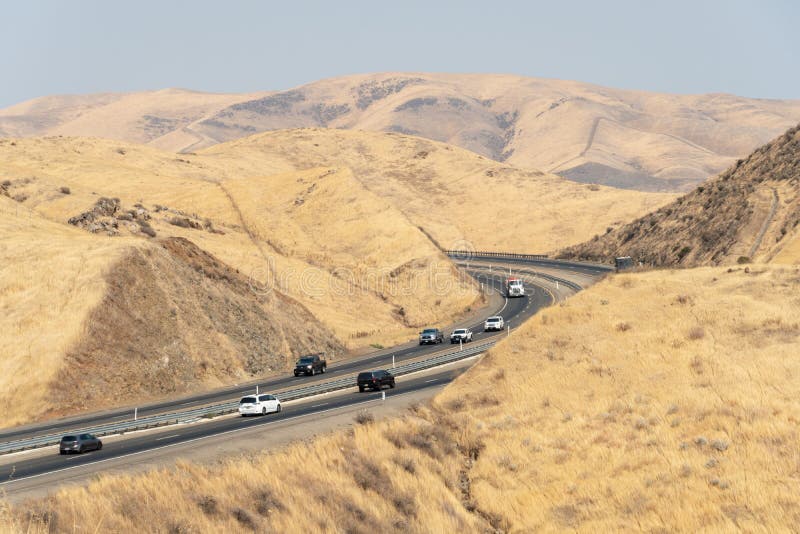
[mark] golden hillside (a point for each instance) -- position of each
(591, 417)
(631, 139)
(126, 320)
(456, 197)
(751, 211)
(289, 246)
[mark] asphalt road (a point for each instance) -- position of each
(515, 311)
(28, 468)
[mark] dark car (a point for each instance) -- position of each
(375, 380)
(431, 336)
(310, 365)
(79, 443)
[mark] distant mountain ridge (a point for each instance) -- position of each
(587, 133)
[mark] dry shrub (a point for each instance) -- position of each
(623, 327)
(208, 504)
(364, 417)
(696, 333)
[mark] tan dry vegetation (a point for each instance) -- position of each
(749, 212)
(457, 197)
(51, 277)
(685, 419)
(254, 241)
(632, 139)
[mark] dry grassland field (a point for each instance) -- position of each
(657, 401)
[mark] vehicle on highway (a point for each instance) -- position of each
(259, 405)
(374, 380)
(431, 336)
(461, 335)
(623, 262)
(310, 365)
(79, 443)
(514, 288)
(493, 323)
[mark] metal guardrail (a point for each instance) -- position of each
(563, 281)
(189, 416)
(464, 254)
(540, 259)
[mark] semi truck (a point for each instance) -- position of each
(514, 288)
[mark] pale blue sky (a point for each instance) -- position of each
(748, 48)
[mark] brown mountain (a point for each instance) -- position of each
(751, 211)
(588, 133)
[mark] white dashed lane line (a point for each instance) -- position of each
(168, 437)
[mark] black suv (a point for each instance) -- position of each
(375, 380)
(79, 443)
(431, 335)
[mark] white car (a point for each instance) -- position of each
(259, 405)
(461, 335)
(493, 323)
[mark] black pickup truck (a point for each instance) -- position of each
(310, 365)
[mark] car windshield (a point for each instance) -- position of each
(493, 319)
(429, 331)
(305, 360)
(247, 400)
(460, 332)
(69, 438)
(364, 375)
(515, 282)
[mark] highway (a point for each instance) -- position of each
(25, 469)
(514, 311)
(41, 469)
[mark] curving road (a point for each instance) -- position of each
(32, 470)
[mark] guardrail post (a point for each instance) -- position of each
(135, 414)
(392, 361)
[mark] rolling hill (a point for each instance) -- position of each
(588, 133)
(749, 212)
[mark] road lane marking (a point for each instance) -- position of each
(168, 437)
(431, 380)
(318, 405)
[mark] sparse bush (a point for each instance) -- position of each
(743, 259)
(267, 502)
(244, 518)
(683, 252)
(697, 365)
(364, 417)
(696, 333)
(623, 327)
(65, 190)
(719, 445)
(376, 346)
(208, 505)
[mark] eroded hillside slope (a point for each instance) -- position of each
(609, 422)
(751, 211)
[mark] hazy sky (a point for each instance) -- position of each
(748, 48)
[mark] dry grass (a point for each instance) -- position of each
(453, 194)
(51, 277)
(599, 430)
(293, 246)
(598, 134)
